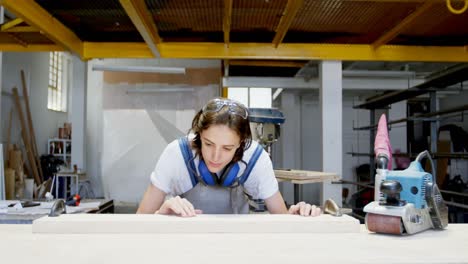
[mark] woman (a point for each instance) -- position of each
(216, 168)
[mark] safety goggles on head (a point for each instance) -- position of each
(217, 104)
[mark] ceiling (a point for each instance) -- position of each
(253, 37)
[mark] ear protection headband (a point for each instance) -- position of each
(227, 178)
(229, 175)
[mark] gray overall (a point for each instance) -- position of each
(216, 199)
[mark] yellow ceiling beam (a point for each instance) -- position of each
(392, 33)
(144, 22)
(289, 14)
(227, 20)
(268, 63)
(265, 51)
(11, 24)
(34, 15)
(30, 47)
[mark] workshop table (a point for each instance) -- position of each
(105, 206)
(19, 245)
(300, 177)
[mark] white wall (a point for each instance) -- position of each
(126, 132)
(45, 121)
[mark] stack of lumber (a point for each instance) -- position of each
(16, 168)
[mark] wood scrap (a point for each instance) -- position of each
(26, 138)
(32, 134)
(9, 184)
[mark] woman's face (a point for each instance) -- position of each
(219, 144)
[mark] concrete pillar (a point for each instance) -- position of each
(290, 139)
(331, 103)
(77, 109)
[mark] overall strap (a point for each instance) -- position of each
(188, 158)
(251, 164)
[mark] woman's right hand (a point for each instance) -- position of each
(178, 206)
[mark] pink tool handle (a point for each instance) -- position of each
(382, 141)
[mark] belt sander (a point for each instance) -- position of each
(405, 201)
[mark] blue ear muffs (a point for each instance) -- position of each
(229, 175)
(206, 176)
(227, 178)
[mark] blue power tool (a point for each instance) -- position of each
(407, 201)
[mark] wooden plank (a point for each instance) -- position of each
(26, 139)
(252, 223)
(317, 176)
(32, 134)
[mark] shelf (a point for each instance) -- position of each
(420, 116)
(459, 155)
(437, 81)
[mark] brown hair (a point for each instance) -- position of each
(223, 115)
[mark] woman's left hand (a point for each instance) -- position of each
(304, 209)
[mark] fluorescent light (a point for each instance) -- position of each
(117, 68)
(160, 90)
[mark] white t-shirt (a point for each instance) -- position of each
(172, 177)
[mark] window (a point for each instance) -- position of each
(57, 92)
(251, 97)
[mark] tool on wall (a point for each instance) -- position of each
(406, 201)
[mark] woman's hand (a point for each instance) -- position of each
(178, 206)
(304, 209)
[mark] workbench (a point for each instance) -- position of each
(29, 214)
(300, 177)
(19, 245)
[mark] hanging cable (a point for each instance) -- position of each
(457, 11)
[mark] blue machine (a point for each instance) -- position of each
(407, 201)
(414, 181)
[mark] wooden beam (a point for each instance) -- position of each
(26, 138)
(227, 20)
(17, 39)
(268, 63)
(392, 33)
(288, 16)
(11, 24)
(34, 15)
(32, 134)
(144, 22)
(265, 51)
(202, 224)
